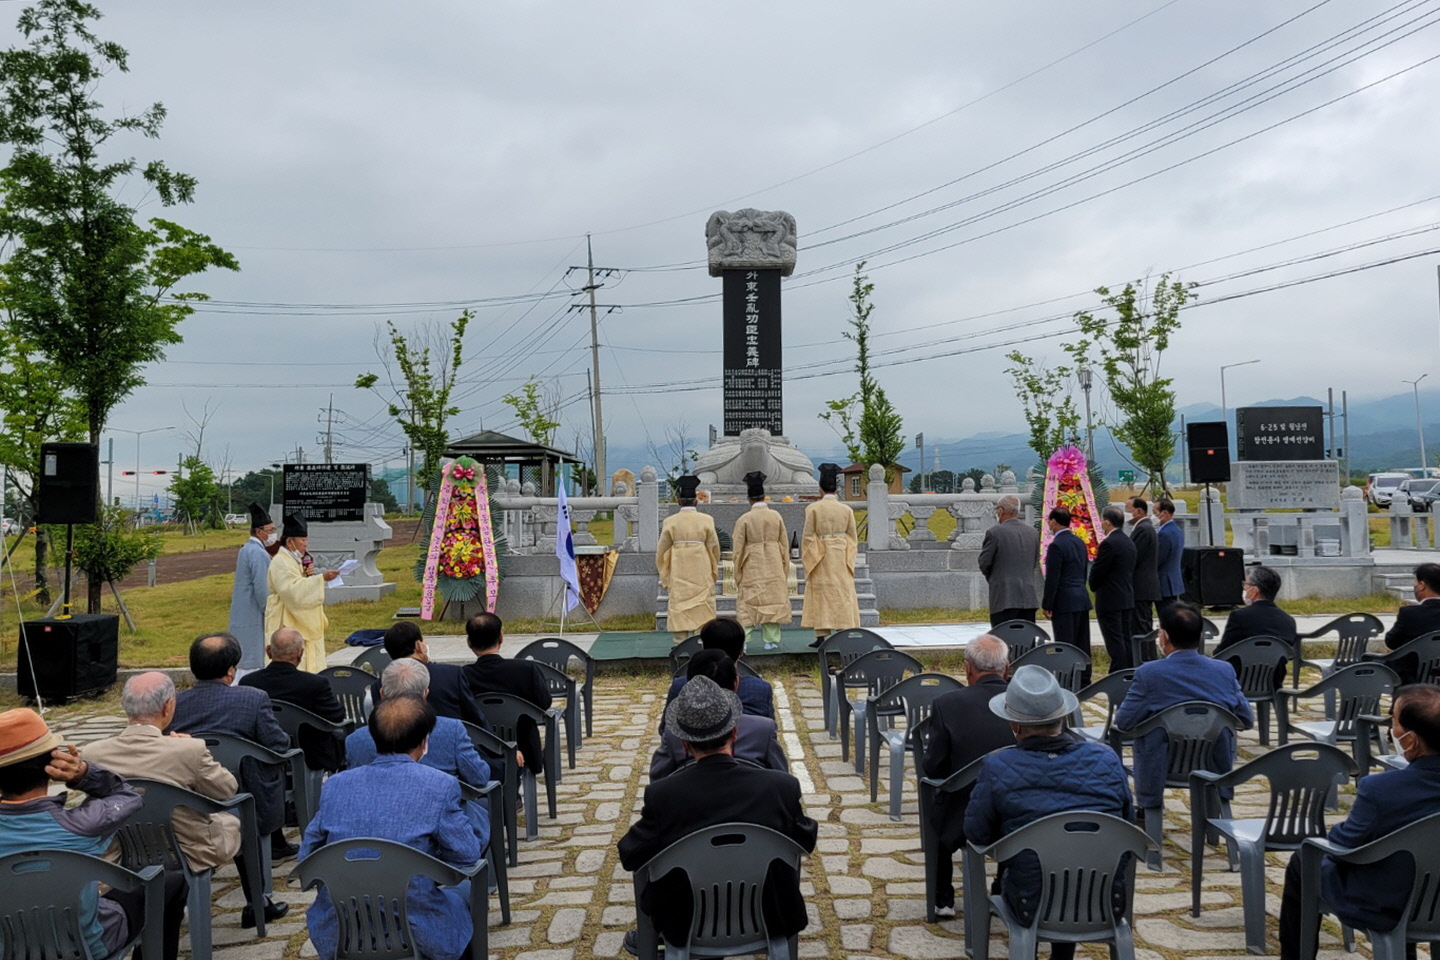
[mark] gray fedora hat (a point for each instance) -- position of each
(1034, 696)
(702, 710)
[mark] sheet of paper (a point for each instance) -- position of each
(344, 568)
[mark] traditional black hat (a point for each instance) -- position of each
(755, 485)
(258, 516)
(295, 526)
(687, 486)
(829, 475)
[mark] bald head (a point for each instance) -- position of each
(288, 645)
(405, 678)
(146, 696)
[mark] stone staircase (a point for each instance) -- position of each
(725, 603)
(1401, 585)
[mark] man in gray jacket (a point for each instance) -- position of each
(1008, 556)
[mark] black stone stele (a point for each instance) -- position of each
(752, 384)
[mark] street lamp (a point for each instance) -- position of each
(1224, 410)
(1085, 380)
(1419, 423)
(138, 435)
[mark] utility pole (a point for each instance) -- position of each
(109, 477)
(598, 425)
(330, 429)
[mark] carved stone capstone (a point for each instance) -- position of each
(751, 239)
(787, 470)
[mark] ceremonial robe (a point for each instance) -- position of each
(298, 601)
(247, 603)
(687, 557)
(827, 548)
(761, 567)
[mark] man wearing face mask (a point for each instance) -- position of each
(248, 596)
(1372, 896)
(297, 593)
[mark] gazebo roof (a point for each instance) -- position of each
(488, 446)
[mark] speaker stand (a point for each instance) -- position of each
(1205, 506)
(69, 556)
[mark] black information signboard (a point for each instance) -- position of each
(752, 351)
(1280, 433)
(322, 492)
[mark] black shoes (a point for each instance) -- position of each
(632, 944)
(282, 851)
(273, 911)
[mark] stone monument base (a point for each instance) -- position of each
(332, 543)
(788, 472)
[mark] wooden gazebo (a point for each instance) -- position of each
(490, 447)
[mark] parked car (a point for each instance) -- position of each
(236, 519)
(8, 527)
(1422, 494)
(1383, 486)
(1411, 490)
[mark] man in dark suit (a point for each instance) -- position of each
(963, 729)
(283, 679)
(1372, 896)
(492, 673)
(1183, 673)
(756, 738)
(726, 634)
(214, 705)
(1066, 604)
(1147, 574)
(1170, 546)
(1260, 617)
(450, 694)
(1418, 619)
(1112, 579)
(716, 788)
(1008, 555)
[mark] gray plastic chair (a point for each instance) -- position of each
(1113, 687)
(373, 660)
(1353, 633)
(563, 688)
(147, 839)
(1066, 662)
(836, 652)
(1145, 647)
(911, 698)
(1423, 651)
(504, 711)
(1419, 921)
(681, 653)
(1257, 661)
(1192, 730)
(231, 752)
(1374, 746)
(726, 866)
(40, 893)
(351, 686)
(1301, 777)
(559, 653)
(367, 878)
(1021, 636)
(492, 794)
(1356, 690)
(869, 674)
(929, 792)
(1081, 855)
(307, 786)
(500, 754)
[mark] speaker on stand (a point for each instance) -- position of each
(69, 489)
(1209, 446)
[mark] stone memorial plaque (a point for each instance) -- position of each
(326, 492)
(752, 385)
(1284, 485)
(1279, 433)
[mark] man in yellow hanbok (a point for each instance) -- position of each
(297, 593)
(827, 548)
(762, 566)
(686, 558)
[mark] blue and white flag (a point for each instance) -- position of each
(565, 551)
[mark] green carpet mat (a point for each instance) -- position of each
(655, 645)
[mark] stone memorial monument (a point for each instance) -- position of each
(343, 525)
(751, 250)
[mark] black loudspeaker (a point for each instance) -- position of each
(69, 482)
(1214, 576)
(64, 659)
(1209, 445)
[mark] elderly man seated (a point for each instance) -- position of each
(726, 635)
(283, 679)
(1047, 771)
(756, 738)
(1372, 896)
(450, 748)
(715, 789)
(398, 798)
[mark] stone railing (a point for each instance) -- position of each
(974, 512)
(529, 522)
(1256, 532)
(1410, 530)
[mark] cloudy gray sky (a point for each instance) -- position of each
(992, 162)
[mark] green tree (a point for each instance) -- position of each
(420, 400)
(866, 421)
(380, 493)
(533, 411)
(108, 550)
(1044, 395)
(197, 495)
(93, 289)
(1131, 340)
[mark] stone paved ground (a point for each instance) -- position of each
(571, 900)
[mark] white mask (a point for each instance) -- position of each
(270, 540)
